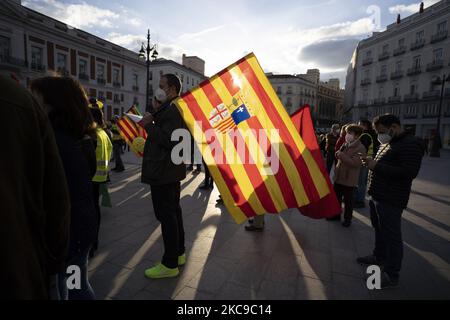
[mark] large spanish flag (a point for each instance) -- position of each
(231, 113)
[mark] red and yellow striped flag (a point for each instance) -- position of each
(129, 130)
(243, 94)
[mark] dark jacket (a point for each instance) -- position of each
(331, 140)
(34, 199)
(157, 165)
(78, 158)
(398, 164)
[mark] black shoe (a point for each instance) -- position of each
(335, 218)
(388, 282)
(120, 170)
(369, 260)
(204, 187)
(253, 228)
(219, 200)
(346, 223)
(197, 171)
(190, 168)
(359, 205)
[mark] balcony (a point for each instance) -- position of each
(383, 56)
(367, 61)
(135, 88)
(382, 78)
(418, 44)
(394, 99)
(101, 81)
(396, 74)
(83, 76)
(411, 97)
(38, 67)
(399, 51)
(441, 35)
(12, 61)
(379, 101)
(362, 103)
(435, 65)
(365, 82)
(116, 84)
(414, 70)
(430, 95)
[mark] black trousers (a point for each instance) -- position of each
(208, 178)
(199, 165)
(96, 195)
(117, 150)
(166, 204)
(386, 220)
(331, 159)
(345, 194)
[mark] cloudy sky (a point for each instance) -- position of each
(287, 36)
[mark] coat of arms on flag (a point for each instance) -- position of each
(225, 118)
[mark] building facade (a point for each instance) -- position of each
(395, 72)
(330, 103)
(33, 45)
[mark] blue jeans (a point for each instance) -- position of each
(85, 292)
(362, 185)
(386, 220)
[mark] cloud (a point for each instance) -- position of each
(411, 8)
(329, 53)
(129, 41)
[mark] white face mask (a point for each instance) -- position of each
(349, 138)
(384, 138)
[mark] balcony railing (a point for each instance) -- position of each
(400, 50)
(441, 35)
(38, 67)
(12, 61)
(362, 103)
(435, 65)
(431, 94)
(367, 61)
(379, 101)
(396, 74)
(427, 115)
(394, 99)
(135, 88)
(414, 70)
(383, 56)
(382, 78)
(365, 82)
(411, 97)
(418, 44)
(83, 76)
(101, 81)
(116, 84)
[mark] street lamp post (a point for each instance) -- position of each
(144, 53)
(435, 148)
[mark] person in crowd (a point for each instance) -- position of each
(117, 141)
(68, 111)
(370, 142)
(164, 177)
(395, 166)
(341, 140)
(34, 199)
(190, 167)
(208, 183)
(103, 151)
(331, 139)
(347, 171)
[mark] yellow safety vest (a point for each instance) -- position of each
(103, 155)
(370, 151)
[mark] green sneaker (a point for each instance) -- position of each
(182, 260)
(160, 271)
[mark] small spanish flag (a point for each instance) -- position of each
(133, 134)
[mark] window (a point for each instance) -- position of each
(385, 48)
(101, 96)
(289, 90)
(135, 80)
(116, 75)
(369, 54)
(380, 93)
(182, 77)
(187, 79)
(5, 45)
(442, 27)
(100, 71)
(193, 81)
(437, 55)
(401, 42)
(61, 61)
(396, 90)
(413, 89)
(150, 75)
(398, 66)
(366, 74)
(279, 90)
(82, 67)
(36, 56)
(416, 62)
(383, 70)
(420, 35)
